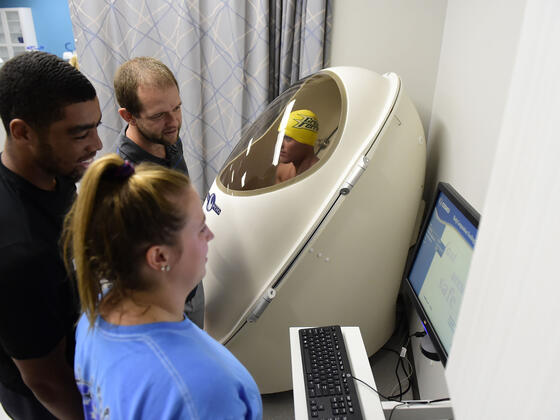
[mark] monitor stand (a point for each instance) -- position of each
(428, 349)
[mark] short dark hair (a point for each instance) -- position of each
(36, 86)
(140, 71)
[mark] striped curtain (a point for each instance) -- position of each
(230, 58)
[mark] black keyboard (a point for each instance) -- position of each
(329, 386)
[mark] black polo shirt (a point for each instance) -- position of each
(38, 305)
(130, 151)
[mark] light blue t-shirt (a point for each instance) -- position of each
(167, 370)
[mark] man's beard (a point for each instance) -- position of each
(154, 139)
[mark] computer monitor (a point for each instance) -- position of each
(439, 266)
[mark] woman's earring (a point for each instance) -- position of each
(165, 267)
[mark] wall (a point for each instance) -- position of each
(456, 65)
(504, 365)
(399, 36)
(477, 55)
(472, 88)
(53, 29)
(52, 22)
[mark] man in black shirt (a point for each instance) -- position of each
(50, 113)
(148, 94)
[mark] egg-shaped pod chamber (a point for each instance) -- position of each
(313, 215)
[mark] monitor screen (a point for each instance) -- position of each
(440, 265)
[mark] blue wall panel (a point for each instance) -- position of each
(52, 23)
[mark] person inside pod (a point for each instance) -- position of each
(297, 153)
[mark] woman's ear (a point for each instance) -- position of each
(157, 257)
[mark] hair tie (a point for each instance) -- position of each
(125, 171)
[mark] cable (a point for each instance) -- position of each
(393, 410)
(388, 349)
(370, 387)
(401, 358)
(401, 332)
(398, 378)
(416, 403)
(408, 374)
(392, 399)
(407, 378)
(437, 400)
(396, 371)
(400, 363)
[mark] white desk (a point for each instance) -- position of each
(359, 364)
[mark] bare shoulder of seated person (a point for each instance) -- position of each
(284, 172)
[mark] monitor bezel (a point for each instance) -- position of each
(472, 216)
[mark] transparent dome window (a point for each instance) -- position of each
(289, 141)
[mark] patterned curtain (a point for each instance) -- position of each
(299, 34)
(230, 58)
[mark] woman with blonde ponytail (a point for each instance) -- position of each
(137, 241)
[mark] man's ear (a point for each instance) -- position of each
(157, 256)
(21, 131)
(127, 116)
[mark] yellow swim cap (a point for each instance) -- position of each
(303, 126)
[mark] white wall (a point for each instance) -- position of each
(477, 55)
(455, 59)
(505, 355)
(478, 52)
(400, 36)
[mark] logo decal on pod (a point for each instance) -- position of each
(211, 204)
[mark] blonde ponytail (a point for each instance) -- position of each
(119, 212)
